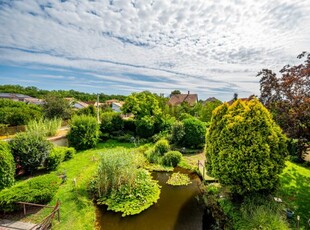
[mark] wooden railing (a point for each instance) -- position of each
(46, 223)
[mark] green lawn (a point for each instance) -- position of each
(77, 210)
(295, 192)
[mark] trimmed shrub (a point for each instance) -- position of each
(162, 146)
(30, 150)
(172, 158)
(7, 166)
(245, 148)
(38, 190)
(69, 153)
(84, 132)
(195, 132)
(56, 156)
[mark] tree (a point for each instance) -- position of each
(56, 107)
(206, 111)
(7, 166)
(30, 150)
(84, 132)
(194, 133)
(174, 92)
(288, 97)
(245, 148)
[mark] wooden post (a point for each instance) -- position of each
(297, 227)
(25, 212)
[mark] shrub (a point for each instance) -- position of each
(7, 166)
(111, 122)
(153, 156)
(162, 146)
(69, 153)
(195, 131)
(38, 190)
(84, 132)
(30, 150)
(145, 126)
(130, 125)
(45, 126)
(56, 156)
(172, 158)
(177, 133)
(245, 149)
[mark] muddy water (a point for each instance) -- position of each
(177, 208)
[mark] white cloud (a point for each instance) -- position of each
(203, 46)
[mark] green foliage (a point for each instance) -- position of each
(88, 111)
(130, 125)
(145, 126)
(56, 156)
(39, 190)
(162, 146)
(18, 113)
(177, 133)
(245, 149)
(69, 153)
(56, 107)
(84, 132)
(46, 127)
(122, 185)
(111, 122)
(172, 158)
(7, 166)
(30, 150)
(153, 156)
(178, 179)
(205, 113)
(195, 132)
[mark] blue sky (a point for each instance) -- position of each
(213, 48)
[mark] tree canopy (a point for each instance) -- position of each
(245, 148)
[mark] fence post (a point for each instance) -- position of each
(24, 209)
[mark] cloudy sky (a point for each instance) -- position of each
(210, 47)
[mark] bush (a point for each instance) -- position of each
(130, 125)
(152, 156)
(177, 133)
(172, 158)
(111, 122)
(69, 153)
(195, 131)
(38, 190)
(7, 166)
(162, 146)
(84, 132)
(30, 150)
(145, 126)
(56, 156)
(245, 149)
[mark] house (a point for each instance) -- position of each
(116, 106)
(76, 104)
(242, 99)
(22, 98)
(178, 99)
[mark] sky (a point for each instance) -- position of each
(214, 48)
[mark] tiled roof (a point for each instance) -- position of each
(178, 99)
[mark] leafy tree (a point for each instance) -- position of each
(177, 133)
(194, 133)
(142, 104)
(288, 97)
(245, 148)
(30, 150)
(56, 107)
(206, 111)
(174, 92)
(84, 132)
(7, 166)
(145, 126)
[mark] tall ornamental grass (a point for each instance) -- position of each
(46, 127)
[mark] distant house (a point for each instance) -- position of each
(76, 104)
(177, 99)
(116, 106)
(22, 98)
(242, 99)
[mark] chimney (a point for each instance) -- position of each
(188, 92)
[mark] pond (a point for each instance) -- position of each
(177, 208)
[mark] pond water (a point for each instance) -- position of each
(177, 208)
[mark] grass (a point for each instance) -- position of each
(295, 192)
(77, 210)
